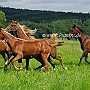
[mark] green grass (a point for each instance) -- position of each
(75, 78)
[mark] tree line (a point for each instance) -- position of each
(47, 22)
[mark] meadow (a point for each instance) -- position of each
(75, 78)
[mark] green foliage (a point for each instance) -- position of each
(75, 78)
(2, 20)
(48, 22)
(58, 26)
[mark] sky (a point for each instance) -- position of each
(52, 5)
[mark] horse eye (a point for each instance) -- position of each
(71, 30)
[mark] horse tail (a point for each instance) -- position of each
(57, 44)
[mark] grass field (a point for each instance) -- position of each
(75, 78)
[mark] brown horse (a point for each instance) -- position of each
(22, 48)
(84, 41)
(4, 49)
(14, 26)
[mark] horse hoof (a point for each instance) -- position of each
(78, 64)
(54, 69)
(65, 68)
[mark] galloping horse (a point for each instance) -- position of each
(4, 49)
(84, 41)
(22, 48)
(14, 26)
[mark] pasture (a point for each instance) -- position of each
(75, 78)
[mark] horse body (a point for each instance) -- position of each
(20, 50)
(84, 41)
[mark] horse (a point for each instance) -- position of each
(16, 27)
(20, 50)
(54, 37)
(84, 41)
(4, 49)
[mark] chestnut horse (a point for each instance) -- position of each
(4, 49)
(22, 48)
(15, 27)
(84, 41)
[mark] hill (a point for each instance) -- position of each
(41, 16)
(48, 22)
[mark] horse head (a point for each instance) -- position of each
(73, 32)
(13, 26)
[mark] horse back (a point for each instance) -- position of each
(86, 44)
(31, 48)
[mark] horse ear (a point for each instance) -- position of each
(0, 29)
(74, 26)
(12, 21)
(16, 21)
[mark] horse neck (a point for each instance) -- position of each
(10, 39)
(82, 37)
(22, 34)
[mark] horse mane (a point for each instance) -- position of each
(80, 29)
(28, 31)
(74, 26)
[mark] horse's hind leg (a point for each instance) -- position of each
(60, 59)
(86, 57)
(39, 67)
(4, 56)
(39, 58)
(45, 59)
(83, 55)
(51, 62)
(27, 63)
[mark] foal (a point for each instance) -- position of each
(23, 48)
(84, 41)
(4, 49)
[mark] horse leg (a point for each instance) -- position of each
(60, 59)
(45, 59)
(20, 64)
(7, 63)
(27, 63)
(42, 65)
(39, 58)
(51, 62)
(83, 55)
(86, 57)
(18, 57)
(4, 56)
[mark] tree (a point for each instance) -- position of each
(2, 20)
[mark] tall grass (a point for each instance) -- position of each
(75, 78)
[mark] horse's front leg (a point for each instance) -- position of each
(20, 64)
(7, 63)
(18, 57)
(83, 55)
